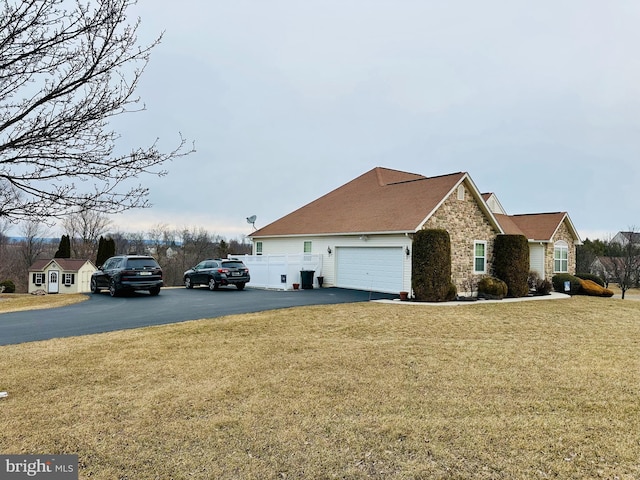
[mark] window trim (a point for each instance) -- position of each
(307, 246)
(560, 257)
(258, 248)
(68, 279)
(477, 257)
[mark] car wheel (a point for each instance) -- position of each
(187, 282)
(240, 286)
(154, 291)
(94, 286)
(213, 285)
(113, 290)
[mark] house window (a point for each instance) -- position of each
(479, 257)
(38, 278)
(461, 192)
(561, 257)
(307, 247)
(258, 248)
(68, 278)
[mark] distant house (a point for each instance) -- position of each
(363, 230)
(624, 238)
(61, 275)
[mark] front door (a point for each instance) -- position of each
(54, 281)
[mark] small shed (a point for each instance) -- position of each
(61, 275)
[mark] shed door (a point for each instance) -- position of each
(54, 279)
(370, 268)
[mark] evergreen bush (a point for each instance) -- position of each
(431, 266)
(491, 287)
(511, 263)
(559, 280)
(592, 277)
(9, 286)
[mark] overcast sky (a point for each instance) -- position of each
(287, 100)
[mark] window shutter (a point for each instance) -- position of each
(73, 278)
(34, 278)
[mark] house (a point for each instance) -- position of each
(61, 275)
(552, 240)
(364, 230)
(624, 238)
(607, 268)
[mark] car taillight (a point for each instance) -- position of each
(223, 270)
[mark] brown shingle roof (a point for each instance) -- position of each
(380, 200)
(67, 264)
(535, 226)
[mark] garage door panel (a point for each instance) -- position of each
(370, 268)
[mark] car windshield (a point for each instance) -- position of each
(233, 265)
(142, 263)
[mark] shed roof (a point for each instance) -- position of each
(67, 264)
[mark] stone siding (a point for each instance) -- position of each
(563, 233)
(466, 223)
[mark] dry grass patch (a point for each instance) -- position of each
(509, 390)
(14, 302)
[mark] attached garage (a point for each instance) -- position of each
(378, 269)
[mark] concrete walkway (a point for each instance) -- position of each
(551, 296)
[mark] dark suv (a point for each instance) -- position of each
(128, 273)
(216, 272)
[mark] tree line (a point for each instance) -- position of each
(86, 234)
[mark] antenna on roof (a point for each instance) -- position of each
(252, 221)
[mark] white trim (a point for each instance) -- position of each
(476, 257)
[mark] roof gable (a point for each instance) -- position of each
(381, 200)
(65, 264)
(539, 227)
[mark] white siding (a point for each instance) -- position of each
(320, 244)
(536, 259)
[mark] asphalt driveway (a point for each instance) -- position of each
(102, 313)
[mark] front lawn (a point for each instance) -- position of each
(544, 389)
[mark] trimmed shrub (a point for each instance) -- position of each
(491, 287)
(559, 279)
(589, 287)
(9, 286)
(592, 277)
(452, 293)
(431, 266)
(543, 287)
(511, 263)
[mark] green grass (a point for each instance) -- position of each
(545, 389)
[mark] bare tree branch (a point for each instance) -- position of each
(66, 69)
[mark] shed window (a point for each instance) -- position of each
(561, 257)
(307, 247)
(68, 278)
(38, 278)
(479, 257)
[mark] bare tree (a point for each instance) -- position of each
(84, 229)
(34, 242)
(66, 68)
(627, 268)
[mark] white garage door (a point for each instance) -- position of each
(370, 268)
